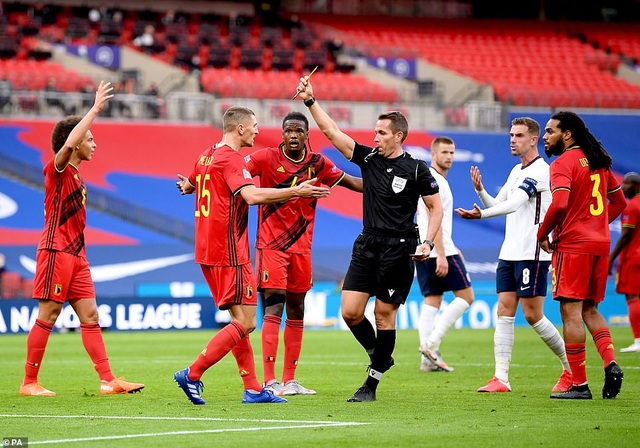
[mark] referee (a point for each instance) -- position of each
(381, 265)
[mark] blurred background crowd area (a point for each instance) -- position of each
(458, 62)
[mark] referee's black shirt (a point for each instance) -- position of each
(392, 188)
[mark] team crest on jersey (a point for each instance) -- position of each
(398, 184)
(247, 159)
(57, 289)
(280, 169)
(248, 291)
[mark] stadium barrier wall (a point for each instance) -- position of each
(322, 310)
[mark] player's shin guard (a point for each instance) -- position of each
(36, 345)
(94, 345)
(243, 353)
(270, 340)
(293, 332)
(216, 349)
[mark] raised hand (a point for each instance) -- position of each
(476, 178)
(103, 94)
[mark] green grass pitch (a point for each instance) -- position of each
(413, 408)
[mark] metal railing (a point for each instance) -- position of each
(59, 104)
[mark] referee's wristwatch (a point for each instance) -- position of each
(430, 243)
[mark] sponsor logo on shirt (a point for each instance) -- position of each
(247, 174)
(280, 169)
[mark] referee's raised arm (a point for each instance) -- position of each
(341, 141)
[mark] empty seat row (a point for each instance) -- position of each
(525, 62)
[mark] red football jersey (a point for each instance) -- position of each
(585, 225)
(221, 213)
(288, 226)
(631, 219)
(65, 198)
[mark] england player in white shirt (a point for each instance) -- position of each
(444, 270)
(523, 267)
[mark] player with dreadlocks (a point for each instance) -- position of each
(586, 197)
(285, 233)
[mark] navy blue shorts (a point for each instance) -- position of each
(381, 266)
(525, 278)
(431, 285)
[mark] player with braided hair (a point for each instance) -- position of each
(586, 198)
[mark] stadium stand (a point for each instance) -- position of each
(14, 286)
(226, 82)
(35, 75)
(251, 53)
(485, 51)
(617, 40)
(481, 50)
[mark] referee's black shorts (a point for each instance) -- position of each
(381, 266)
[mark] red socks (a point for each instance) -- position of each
(36, 345)
(577, 357)
(216, 349)
(604, 344)
(243, 352)
(293, 331)
(270, 337)
(94, 345)
(634, 316)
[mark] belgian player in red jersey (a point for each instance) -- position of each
(628, 248)
(285, 233)
(586, 197)
(62, 271)
(224, 190)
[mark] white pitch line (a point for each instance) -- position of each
(181, 433)
(304, 424)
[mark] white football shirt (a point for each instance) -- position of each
(447, 216)
(524, 198)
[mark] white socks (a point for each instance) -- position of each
(551, 336)
(447, 319)
(427, 318)
(503, 346)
